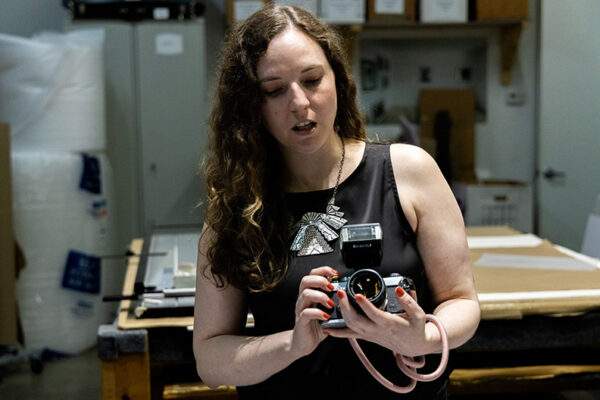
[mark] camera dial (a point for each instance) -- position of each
(370, 284)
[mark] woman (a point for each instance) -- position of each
(288, 147)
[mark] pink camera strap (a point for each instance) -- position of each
(408, 365)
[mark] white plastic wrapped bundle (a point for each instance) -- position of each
(53, 216)
(52, 91)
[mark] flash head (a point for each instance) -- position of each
(361, 245)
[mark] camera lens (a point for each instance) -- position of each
(370, 284)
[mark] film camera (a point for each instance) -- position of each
(362, 249)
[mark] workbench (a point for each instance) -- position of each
(539, 332)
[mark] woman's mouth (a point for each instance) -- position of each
(304, 127)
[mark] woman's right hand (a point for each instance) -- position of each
(307, 332)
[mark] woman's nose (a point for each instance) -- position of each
(299, 100)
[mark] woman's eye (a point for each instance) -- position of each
(312, 82)
(273, 92)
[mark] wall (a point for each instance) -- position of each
(26, 17)
(406, 59)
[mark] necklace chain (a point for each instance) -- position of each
(314, 230)
(339, 175)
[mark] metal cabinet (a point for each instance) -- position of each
(157, 102)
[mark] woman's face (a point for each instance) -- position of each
(300, 99)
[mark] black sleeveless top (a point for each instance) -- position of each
(369, 194)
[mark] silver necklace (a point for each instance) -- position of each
(314, 230)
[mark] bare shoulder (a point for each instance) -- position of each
(411, 161)
(404, 149)
(422, 188)
(413, 166)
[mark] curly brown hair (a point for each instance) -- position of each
(246, 213)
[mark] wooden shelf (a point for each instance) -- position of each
(429, 25)
(510, 34)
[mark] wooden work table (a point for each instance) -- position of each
(538, 332)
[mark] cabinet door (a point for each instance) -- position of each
(171, 65)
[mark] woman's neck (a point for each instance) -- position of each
(318, 171)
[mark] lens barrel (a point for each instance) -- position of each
(370, 284)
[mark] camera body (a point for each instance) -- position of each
(362, 249)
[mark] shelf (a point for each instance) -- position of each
(425, 25)
(510, 34)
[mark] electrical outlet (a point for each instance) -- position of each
(515, 97)
(425, 74)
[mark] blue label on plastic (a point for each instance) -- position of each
(90, 177)
(99, 209)
(83, 309)
(82, 273)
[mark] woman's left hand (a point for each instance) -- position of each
(404, 333)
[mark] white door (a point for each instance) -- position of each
(569, 118)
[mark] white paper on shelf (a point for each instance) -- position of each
(534, 262)
(490, 242)
(579, 256)
(389, 6)
(541, 295)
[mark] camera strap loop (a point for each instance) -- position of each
(408, 365)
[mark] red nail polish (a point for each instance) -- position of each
(340, 294)
(330, 303)
(335, 272)
(330, 286)
(400, 291)
(359, 298)
(327, 316)
(326, 332)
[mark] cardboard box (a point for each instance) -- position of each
(238, 10)
(343, 12)
(444, 11)
(391, 10)
(460, 104)
(8, 303)
(490, 10)
(496, 203)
